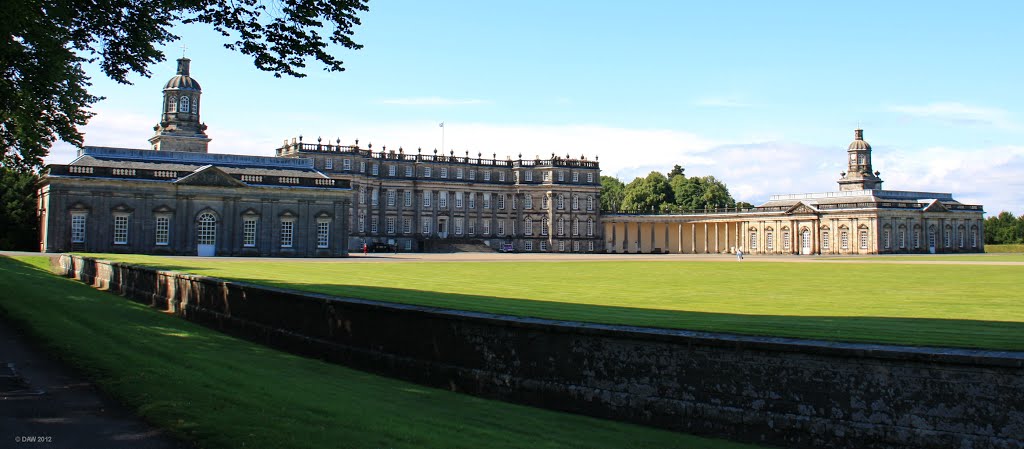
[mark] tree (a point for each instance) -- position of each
(700, 193)
(611, 193)
(677, 170)
(716, 194)
(43, 88)
(18, 221)
(647, 194)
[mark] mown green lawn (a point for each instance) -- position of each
(997, 256)
(1009, 248)
(221, 392)
(962, 305)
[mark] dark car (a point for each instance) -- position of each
(380, 247)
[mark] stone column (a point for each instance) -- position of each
(717, 251)
(654, 239)
(679, 241)
(705, 237)
(612, 235)
(668, 241)
(727, 235)
(693, 237)
(624, 237)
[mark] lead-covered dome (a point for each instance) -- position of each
(182, 80)
(859, 143)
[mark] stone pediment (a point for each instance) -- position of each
(210, 176)
(935, 206)
(801, 209)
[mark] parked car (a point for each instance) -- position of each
(381, 247)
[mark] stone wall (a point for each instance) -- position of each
(783, 392)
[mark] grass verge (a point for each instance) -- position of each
(947, 305)
(1010, 248)
(221, 392)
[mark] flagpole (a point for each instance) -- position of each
(442, 137)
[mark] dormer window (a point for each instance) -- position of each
(184, 104)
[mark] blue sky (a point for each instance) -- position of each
(762, 95)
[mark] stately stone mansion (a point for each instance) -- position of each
(310, 199)
(325, 200)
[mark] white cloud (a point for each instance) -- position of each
(987, 176)
(432, 101)
(109, 128)
(959, 114)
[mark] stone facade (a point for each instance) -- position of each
(420, 202)
(141, 201)
(411, 203)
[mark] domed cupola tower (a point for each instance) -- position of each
(859, 174)
(179, 128)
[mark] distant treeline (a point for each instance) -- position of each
(671, 192)
(1004, 229)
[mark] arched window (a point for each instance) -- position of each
(206, 233)
(172, 104)
(590, 203)
(183, 106)
(960, 231)
(527, 226)
(195, 104)
(590, 226)
(544, 226)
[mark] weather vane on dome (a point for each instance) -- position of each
(183, 48)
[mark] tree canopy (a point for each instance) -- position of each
(1004, 229)
(611, 193)
(18, 222)
(44, 90)
(647, 194)
(658, 193)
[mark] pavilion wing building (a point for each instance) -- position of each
(859, 218)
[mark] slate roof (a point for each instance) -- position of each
(188, 162)
(181, 167)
